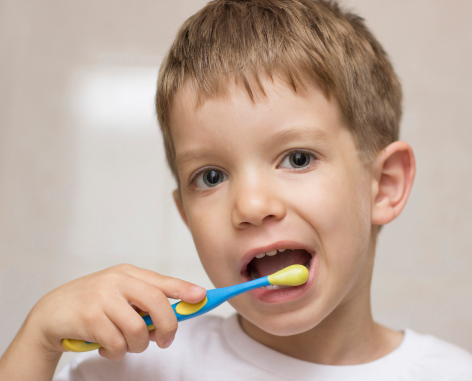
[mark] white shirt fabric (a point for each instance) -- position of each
(211, 348)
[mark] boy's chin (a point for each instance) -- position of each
(279, 325)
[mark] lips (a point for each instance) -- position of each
(269, 263)
(273, 250)
(269, 259)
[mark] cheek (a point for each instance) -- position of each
(204, 219)
(210, 236)
(326, 201)
(337, 207)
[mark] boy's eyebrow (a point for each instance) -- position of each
(190, 156)
(274, 140)
(299, 133)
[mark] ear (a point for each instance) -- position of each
(180, 206)
(394, 171)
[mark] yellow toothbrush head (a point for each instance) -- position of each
(294, 275)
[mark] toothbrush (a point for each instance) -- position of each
(294, 275)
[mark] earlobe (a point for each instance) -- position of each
(395, 171)
(180, 207)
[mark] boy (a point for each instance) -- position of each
(280, 120)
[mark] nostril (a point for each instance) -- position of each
(243, 225)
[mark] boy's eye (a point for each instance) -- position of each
(210, 179)
(298, 159)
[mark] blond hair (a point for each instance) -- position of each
(296, 39)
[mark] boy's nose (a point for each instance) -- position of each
(255, 205)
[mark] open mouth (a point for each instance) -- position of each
(264, 264)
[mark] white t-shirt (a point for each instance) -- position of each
(212, 348)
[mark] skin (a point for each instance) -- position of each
(103, 311)
(332, 206)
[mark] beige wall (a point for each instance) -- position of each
(83, 183)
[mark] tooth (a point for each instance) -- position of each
(275, 287)
(260, 255)
(281, 250)
(254, 275)
(270, 253)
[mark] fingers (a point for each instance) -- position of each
(109, 337)
(151, 299)
(152, 335)
(165, 321)
(171, 287)
(131, 325)
(115, 324)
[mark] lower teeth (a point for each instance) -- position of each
(275, 287)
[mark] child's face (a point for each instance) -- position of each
(281, 173)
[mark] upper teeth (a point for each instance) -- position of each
(269, 253)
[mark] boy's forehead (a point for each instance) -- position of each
(291, 115)
(190, 98)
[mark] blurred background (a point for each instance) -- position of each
(83, 179)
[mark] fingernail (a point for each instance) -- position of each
(168, 342)
(197, 289)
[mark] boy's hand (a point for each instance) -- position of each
(101, 308)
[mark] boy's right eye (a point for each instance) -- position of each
(209, 179)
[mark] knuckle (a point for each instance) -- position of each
(169, 328)
(118, 271)
(156, 298)
(158, 295)
(125, 267)
(136, 327)
(90, 317)
(111, 278)
(162, 280)
(116, 346)
(115, 356)
(139, 347)
(114, 279)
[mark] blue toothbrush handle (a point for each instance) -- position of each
(218, 296)
(213, 299)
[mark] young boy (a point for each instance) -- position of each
(280, 120)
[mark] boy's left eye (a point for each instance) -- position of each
(209, 179)
(297, 160)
